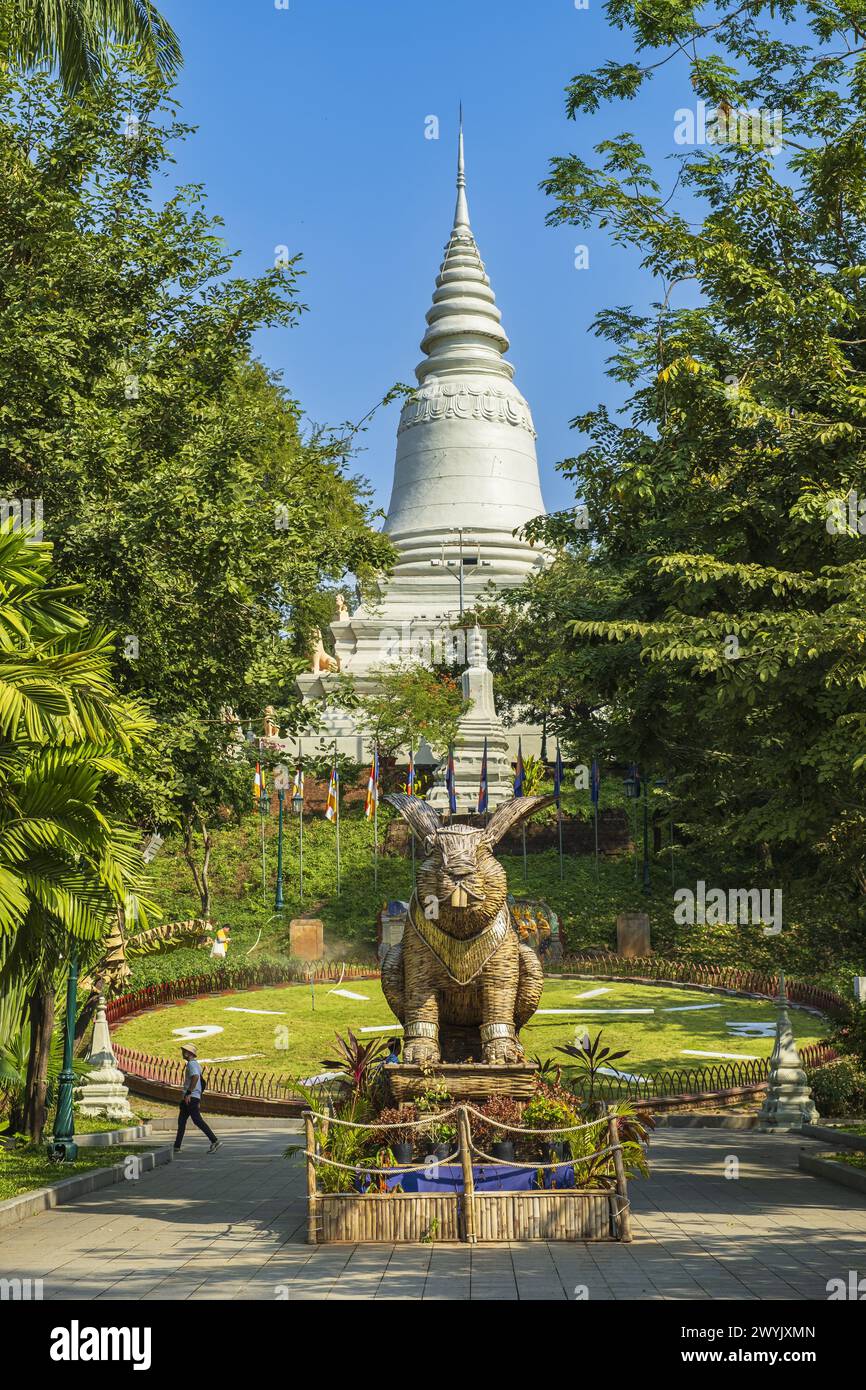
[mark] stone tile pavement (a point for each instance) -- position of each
(232, 1225)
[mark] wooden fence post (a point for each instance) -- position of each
(621, 1185)
(464, 1144)
(312, 1205)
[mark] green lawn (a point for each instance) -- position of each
(28, 1168)
(294, 1037)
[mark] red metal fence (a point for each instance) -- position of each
(700, 1081)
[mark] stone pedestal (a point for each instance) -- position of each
(633, 934)
(789, 1102)
(306, 938)
(103, 1093)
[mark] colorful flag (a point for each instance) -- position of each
(520, 774)
(258, 785)
(298, 784)
(332, 804)
(558, 773)
(482, 784)
(372, 787)
(410, 780)
(449, 783)
(595, 782)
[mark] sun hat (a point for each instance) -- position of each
(190, 1048)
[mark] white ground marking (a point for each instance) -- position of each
(688, 1008)
(235, 1057)
(595, 1011)
(394, 1028)
(347, 994)
(746, 1028)
(197, 1030)
(726, 1056)
(275, 1013)
(626, 1075)
(592, 993)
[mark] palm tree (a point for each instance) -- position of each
(66, 862)
(75, 35)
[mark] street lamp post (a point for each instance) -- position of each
(298, 808)
(63, 1148)
(632, 785)
(278, 898)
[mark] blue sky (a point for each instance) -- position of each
(312, 135)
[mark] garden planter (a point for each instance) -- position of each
(403, 1153)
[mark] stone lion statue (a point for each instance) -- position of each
(460, 966)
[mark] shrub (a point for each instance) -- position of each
(401, 1115)
(505, 1111)
(839, 1088)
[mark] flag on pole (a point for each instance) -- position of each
(298, 784)
(410, 780)
(372, 787)
(333, 794)
(482, 785)
(520, 774)
(258, 785)
(595, 782)
(449, 783)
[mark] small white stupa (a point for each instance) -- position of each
(480, 723)
(465, 479)
(103, 1091)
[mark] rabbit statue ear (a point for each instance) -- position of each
(511, 814)
(421, 817)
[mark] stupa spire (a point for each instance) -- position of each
(461, 212)
(464, 332)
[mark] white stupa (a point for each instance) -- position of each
(465, 478)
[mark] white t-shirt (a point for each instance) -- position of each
(193, 1075)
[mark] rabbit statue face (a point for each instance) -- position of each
(460, 884)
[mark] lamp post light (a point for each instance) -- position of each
(633, 784)
(462, 563)
(298, 809)
(63, 1148)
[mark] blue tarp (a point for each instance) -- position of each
(448, 1177)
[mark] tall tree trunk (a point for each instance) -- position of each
(200, 874)
(41, 1028)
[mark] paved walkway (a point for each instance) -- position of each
(233, 1225)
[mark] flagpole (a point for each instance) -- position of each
(337, 820)
(376, 817)
(301, 826)
(525, 865)
(262, 820)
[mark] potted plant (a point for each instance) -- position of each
(441, 1139)
(400, 1140)
(495, 1139)
(545, 1113)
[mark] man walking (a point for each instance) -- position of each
(190, 1103)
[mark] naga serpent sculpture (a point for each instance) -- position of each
(460, 964)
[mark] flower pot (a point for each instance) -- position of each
(441, 1151)
(403, 1153)
(503, 1149)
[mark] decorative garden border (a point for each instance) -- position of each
(262, 1093)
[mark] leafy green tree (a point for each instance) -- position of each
(719, 560)
(177, 484)
(76, 36)
(67, 863)
(409, 702)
